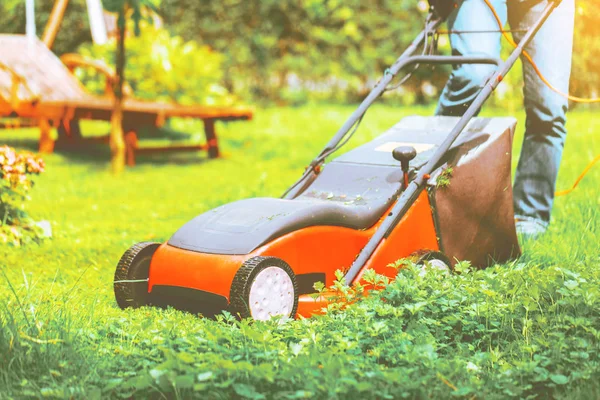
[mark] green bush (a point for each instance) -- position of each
(342, 46)
(163, 67)
(290, 51)
(335, 48)
(516, 331)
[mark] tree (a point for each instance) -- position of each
(124, 9)
(328, 45)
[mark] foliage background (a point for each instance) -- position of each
(295, 51)
(163, 67)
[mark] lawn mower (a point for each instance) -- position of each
(434, 188)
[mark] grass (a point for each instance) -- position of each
(529, 328)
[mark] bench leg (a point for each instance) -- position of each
(46, 141)
(69, 130)
(211, 138)
(69, 134)
(131, 142)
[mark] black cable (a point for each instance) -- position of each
(318, 161)
(304, 175)
(341, 144)
(425, 51)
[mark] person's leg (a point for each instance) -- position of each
(551, 49)
(466, 81)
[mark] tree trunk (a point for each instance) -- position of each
(117, 143)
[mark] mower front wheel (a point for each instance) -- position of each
(263, 288)
(433, 260)
(131, 275)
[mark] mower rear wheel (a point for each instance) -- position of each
(433, 259)
(131, 275)
(263, 288)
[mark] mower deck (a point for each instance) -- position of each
(324, 228)
(260, 258)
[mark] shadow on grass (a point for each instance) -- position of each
(96, 152)
(188, 300)
(20, 143)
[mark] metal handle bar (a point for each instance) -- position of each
(300, 185)
(403, 61)
(414, 189)
(450, 60)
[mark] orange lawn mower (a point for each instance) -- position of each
(435, 188)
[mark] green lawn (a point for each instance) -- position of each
(528, 328)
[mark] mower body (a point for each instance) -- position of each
(465, 213)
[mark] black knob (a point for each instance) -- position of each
(404, 154)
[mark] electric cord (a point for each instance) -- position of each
(346, 139)
(307, 171)
(534, 65)
(317, 162)
(427, 49)
(549, 85)
(585, 171)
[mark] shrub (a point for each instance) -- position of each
(163, 67)
(16, 170)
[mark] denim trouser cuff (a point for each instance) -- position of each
(543, 224)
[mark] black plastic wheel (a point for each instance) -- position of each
(131, 275)
(437, 259)
(264, 287)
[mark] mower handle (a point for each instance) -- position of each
(310, 174)
(403, 62)
(414, 189)
(450, 60)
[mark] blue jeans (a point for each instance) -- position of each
(551, 49)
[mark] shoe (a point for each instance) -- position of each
(530, 228)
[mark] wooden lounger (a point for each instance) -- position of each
(36, 84)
